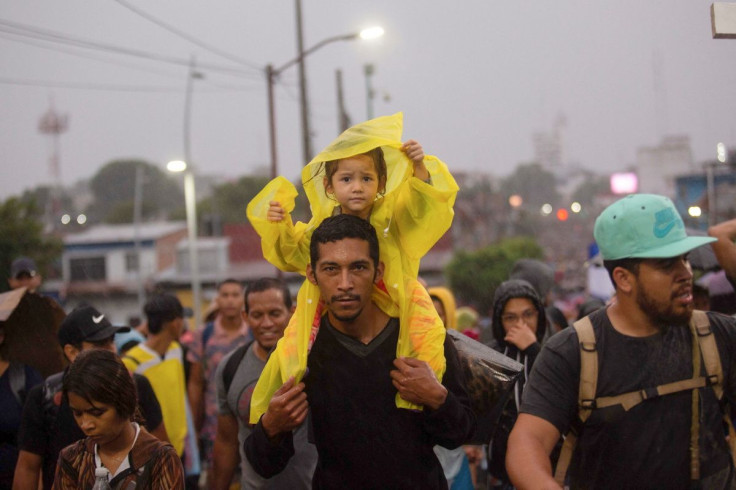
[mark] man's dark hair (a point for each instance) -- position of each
(266, 283)
(162, 309)
(229, 280)
(630, 264)
(340, 227)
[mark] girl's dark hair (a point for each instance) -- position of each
(99, 376)
(379, 162)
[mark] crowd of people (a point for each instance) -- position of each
(358, 383)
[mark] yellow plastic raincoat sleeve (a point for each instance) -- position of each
(424, 212)
(284, 244)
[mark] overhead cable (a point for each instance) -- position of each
(11, 27)
(189, 38)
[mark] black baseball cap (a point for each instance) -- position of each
(22, 265)
(86, 324)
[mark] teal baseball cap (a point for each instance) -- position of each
(645, 226)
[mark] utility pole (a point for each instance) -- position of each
(368, 70)
(343, 120)
(306, 130)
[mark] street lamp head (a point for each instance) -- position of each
(176, 166)
(371, 33)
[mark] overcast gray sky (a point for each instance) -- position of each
(475, 79)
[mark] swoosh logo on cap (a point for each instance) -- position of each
(665, 221)
(98, 319)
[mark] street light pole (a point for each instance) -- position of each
(190, 199)
(190, 195)
(137, 211)
(191, 205)
(272, 73)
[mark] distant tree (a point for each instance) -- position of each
(21, 234)
(113, 189)
(228, 201)
(41, 195)
(474, 276)
(534, 184)
(590, 188)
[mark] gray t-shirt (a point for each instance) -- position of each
(236, 402)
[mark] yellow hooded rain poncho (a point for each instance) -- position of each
(409, 219)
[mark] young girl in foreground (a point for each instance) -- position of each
(103, 400)
(406, 196)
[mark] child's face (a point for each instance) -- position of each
(355, 185)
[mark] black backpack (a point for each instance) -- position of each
(228, 373)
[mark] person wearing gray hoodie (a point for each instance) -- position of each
(519, 323)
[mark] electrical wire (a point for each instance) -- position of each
(11, 27)
(50, 46)
(89, 86)
(114, 87)
(40, 44)
(189, 38)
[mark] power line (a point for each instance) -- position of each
(42, 45)
(88, 86)
(50, 46)
(51, 36)
(115, 87)
(189, 38)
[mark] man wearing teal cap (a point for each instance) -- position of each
(636, 396)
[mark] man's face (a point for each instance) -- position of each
(230, 300)
(107, 344)
(267, 316)
(25, 280)
(663, 290)
(520, 311)
(345, 275)
(176, 328)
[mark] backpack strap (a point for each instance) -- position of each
(51, 386)
(702, 337)
(17, 379)
(709, 350)
(586, 392)
(712, 362)
(209, 329)
(228, 373)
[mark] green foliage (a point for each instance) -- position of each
(21, 233)
(41, 195)
(230, 199)
(113, 188)
(474, 276)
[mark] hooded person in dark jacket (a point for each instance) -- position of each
(519, 325)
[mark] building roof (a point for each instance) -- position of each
(124, 233)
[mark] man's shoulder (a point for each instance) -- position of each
(721, 321)
(242, 351)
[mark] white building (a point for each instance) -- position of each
(100, 265)
(658, 166)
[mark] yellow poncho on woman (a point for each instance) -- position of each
(409, 219)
